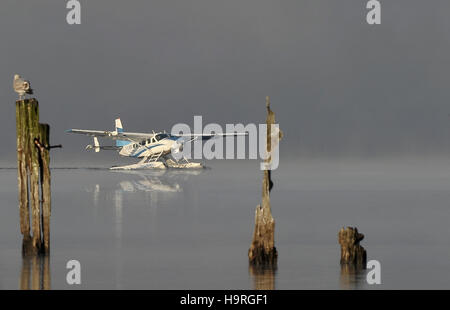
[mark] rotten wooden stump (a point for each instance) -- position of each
(351, 252)
(262, 251)
(33, 177)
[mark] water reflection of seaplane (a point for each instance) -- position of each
(154, 148)
(150, 183)
(163, 181)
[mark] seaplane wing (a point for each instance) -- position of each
(191, 137)
(114, 135)
(139, 136)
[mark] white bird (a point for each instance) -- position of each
(21, 86)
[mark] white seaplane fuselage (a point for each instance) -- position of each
(159, 145)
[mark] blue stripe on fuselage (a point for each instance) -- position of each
(146, 149)
(121, 143)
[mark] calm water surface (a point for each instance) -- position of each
(192, 229)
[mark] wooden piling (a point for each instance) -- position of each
(22, 150)
(33, 130)
(44, 161)
(352, 253)
(262, 251)
(33, 177)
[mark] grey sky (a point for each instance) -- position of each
(339, 86)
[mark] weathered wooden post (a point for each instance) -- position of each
(33, 129)
(44, 161)
(33, 177)
(352, 253)
(262, 251)
(22, 164)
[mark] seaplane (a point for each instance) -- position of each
(155, 149)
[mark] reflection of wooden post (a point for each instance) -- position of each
(33, 177)
(25, 274)
(262, 250)
(351, 276)
(35, 272)
(351, 252)
(46, 283)
(263, 278)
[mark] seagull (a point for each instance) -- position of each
(21, 86)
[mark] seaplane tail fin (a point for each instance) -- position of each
(119, 128)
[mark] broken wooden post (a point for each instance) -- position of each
(33, 177)
(262, 251)
(351, 252)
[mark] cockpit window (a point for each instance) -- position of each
(161, 136)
